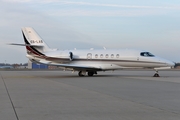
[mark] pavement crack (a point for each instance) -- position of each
(9, 97)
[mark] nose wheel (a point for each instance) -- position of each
(156, 74)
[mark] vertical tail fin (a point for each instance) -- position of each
(34, 43)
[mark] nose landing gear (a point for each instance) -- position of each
(156, 74)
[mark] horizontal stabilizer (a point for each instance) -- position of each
(25, 44)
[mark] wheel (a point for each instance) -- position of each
(156, 75)
(90, 73)
(81, 73)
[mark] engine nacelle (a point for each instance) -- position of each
(66, 55)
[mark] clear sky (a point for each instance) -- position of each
(67, 24)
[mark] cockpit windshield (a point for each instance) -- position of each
(146, 54)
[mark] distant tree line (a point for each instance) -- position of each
(14, 64)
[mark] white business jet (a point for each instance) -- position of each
(90, 61)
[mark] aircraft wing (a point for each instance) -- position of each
(80, 67)
(73, 66)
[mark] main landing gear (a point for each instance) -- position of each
(83, 73)
(156, 74)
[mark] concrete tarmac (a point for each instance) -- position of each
(62, 95)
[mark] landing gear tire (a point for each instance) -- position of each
(80, 74)
(90, 73)
(156, 74)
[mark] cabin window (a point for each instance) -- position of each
(107, 55)
(101, 56)
(117, 56)
(89, 55)
(146, 54)
(112, 55)
(96, 56)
